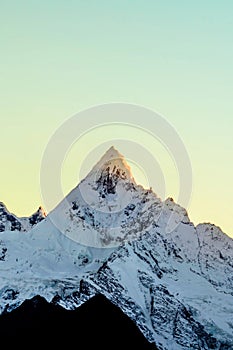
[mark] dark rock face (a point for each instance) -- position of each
(37, 217)
(3, 251)
(8, 221)
(108, 180)
(96, 324)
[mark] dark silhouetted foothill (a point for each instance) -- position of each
(96, 324)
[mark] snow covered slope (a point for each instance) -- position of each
(112, 236)
(107, 207)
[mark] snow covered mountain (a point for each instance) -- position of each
(10, 222)
(112, 236)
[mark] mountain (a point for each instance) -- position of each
(10, 222)
(95, 324)
(110, 236)
(107, 207)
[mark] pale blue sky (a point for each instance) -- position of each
(175, 57)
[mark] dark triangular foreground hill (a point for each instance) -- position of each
(96, 324)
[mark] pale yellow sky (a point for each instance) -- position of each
(58, 58)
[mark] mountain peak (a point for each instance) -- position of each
(40, 211)
(112, 164)
(38, 216)
(112, 152)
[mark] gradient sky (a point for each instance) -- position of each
(174, 57)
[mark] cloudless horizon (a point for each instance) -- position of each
(173, 57)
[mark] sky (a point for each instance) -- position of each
(173, 57)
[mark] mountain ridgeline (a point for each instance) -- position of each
(96, 324)
(114, 261)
